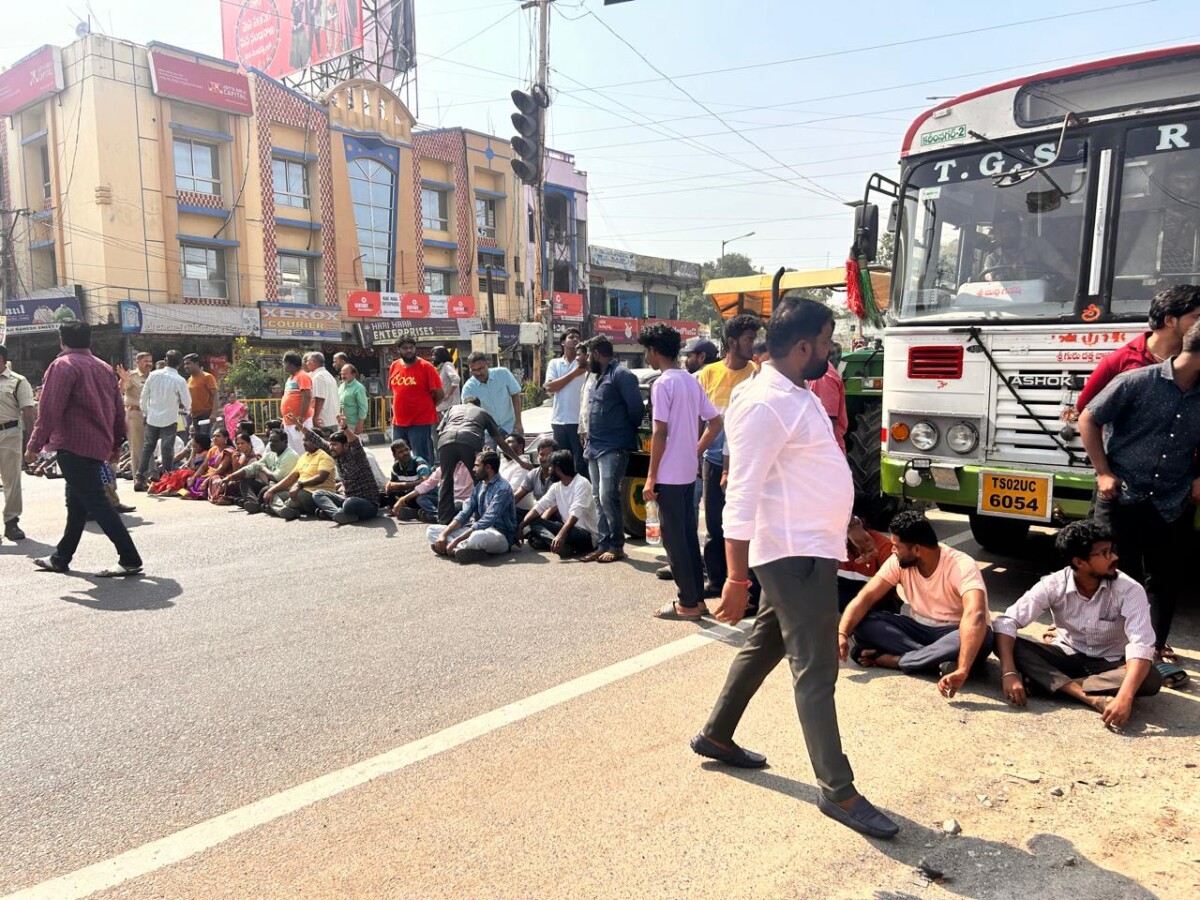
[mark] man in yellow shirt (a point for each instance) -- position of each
(313, 472)
(718, 381)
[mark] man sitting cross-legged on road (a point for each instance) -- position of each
(313, 472)
(576, 529)
(538, 480)
(1103, 646)
(487, 525)
(362, 481)
(948, 630)
(408, 470)
(271, 468)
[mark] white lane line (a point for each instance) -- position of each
(958, 539)
(179, 846)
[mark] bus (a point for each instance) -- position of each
(1033, 222)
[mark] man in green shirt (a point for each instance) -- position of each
(353, 397)
(274, 466)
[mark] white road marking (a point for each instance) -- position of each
(958, 539)
(177, 847)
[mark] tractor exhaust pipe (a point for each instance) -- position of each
(775, 288)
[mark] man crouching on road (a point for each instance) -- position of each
(948, 630)
(1103, 644)
(487, 525)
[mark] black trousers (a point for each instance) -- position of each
(1154, 552)
(567, 438)
(449, 456)
(86, 498)
(578, 540)
(677, 516)
(715, 568)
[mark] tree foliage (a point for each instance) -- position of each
(694, 306)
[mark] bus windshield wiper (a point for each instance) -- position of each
(1012, 179)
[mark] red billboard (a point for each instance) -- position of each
(568, 307)
(687, 330)
(375, 305)
(617, 330)
(280, 37)
(36, 77)
(192, 82)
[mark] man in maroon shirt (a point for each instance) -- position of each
(1172, 313)
(82, 418)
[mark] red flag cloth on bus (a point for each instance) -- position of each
(854, 292)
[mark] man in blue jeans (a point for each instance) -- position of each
(615, 410)
(359, 474)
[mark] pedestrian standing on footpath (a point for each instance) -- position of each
(1142, 434)
(416, 391)
(131, 384)
(677, 403)
(497, 391)
(203, 386)
(81, 418)
(165, 396)
(326, 404)
(615, 412)
(16, 422)
(787, 506)
(564, 380)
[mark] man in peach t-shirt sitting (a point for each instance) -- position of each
(947, 631)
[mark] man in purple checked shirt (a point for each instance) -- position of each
(82, 418)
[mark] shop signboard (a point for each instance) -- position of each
(687, 330)
(688, 271)
(193, 82)
(651, 265)
(608, 258)
(177, 318)
(295, 321)
(375, 305)
(378, 334)
(617, 330)
(27, 316)
(567, 307)
(31, 80)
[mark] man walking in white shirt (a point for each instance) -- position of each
(783, 458)
(1103, 646)
(164, 397)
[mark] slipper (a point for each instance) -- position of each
(50, 564)
(1172, 676)
(1168, 655)
(119, 571)
(591, 557)
(609, 556)
(670, 612)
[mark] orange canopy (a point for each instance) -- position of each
(752, 293)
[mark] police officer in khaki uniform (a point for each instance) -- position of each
(131, 384)
(16, 406)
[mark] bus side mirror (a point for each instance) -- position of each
(866, 230)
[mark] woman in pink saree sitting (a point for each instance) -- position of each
(218, 462)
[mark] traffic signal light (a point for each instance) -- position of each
(527, 143)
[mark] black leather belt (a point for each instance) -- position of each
(7, 425)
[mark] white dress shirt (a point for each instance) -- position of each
(164, 397)
(325, 387)
(790, 489)
(1113, 624)
(574, 499)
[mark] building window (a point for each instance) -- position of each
(485, 218)
(44, 155)
(495, 260)
(440, 283)
(499, 285)
(297, 279)
(371, 190)
(203, 272)
(290, 182)
(435, 210)
(196, 167)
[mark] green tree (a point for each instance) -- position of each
(887, 250)
(694, 306)
(254, 371)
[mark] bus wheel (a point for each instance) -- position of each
(999, 535)
(634, 507)
(865, 457)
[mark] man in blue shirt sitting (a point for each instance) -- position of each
(487, 525)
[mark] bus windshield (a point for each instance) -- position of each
(969, 248)
(1158, 229)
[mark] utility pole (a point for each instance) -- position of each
(545, 312)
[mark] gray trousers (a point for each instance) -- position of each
(797, 618)
(1051, 668)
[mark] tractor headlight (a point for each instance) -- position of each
(963, 437)
(924, 435)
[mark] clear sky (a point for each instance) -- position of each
(759, 148)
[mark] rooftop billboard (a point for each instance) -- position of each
(280, 37)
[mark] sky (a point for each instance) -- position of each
(699, 121)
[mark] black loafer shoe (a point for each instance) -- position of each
(13, 531)
(736, 756)
(862, 817)
(663, 573)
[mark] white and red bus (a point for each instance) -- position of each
(1034, 220)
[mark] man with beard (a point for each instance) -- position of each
(1103, 644)
(699, 353)
(416, 391)
(787, 505)
(948, 630)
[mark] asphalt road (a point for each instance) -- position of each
(258, 655)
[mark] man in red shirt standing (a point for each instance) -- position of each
(81, 416)
(1172, 313)
(416, 391)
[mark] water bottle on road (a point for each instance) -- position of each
(653, 529)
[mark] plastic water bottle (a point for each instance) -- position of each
(653, 529)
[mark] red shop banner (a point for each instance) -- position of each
(363, 305)
(36, 77)
(687, 330)
(460, 307)
(568, 307)
(618, 330)
(182, 79)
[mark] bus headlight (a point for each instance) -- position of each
(963, 437)
(924, 435)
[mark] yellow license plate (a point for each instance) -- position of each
(1015, 495)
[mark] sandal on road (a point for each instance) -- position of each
(1172, 676)
(609, 556)
(1169, 656)
(119, 571)
(671, 612)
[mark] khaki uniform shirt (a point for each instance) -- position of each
(132, 395)
(15, 395)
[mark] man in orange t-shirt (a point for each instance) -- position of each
(416, 391)
(296, 406)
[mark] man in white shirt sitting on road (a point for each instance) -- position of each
(570, 496)
(1103, 646)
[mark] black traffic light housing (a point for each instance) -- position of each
(527, 143)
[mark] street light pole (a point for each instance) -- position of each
(731, 240)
